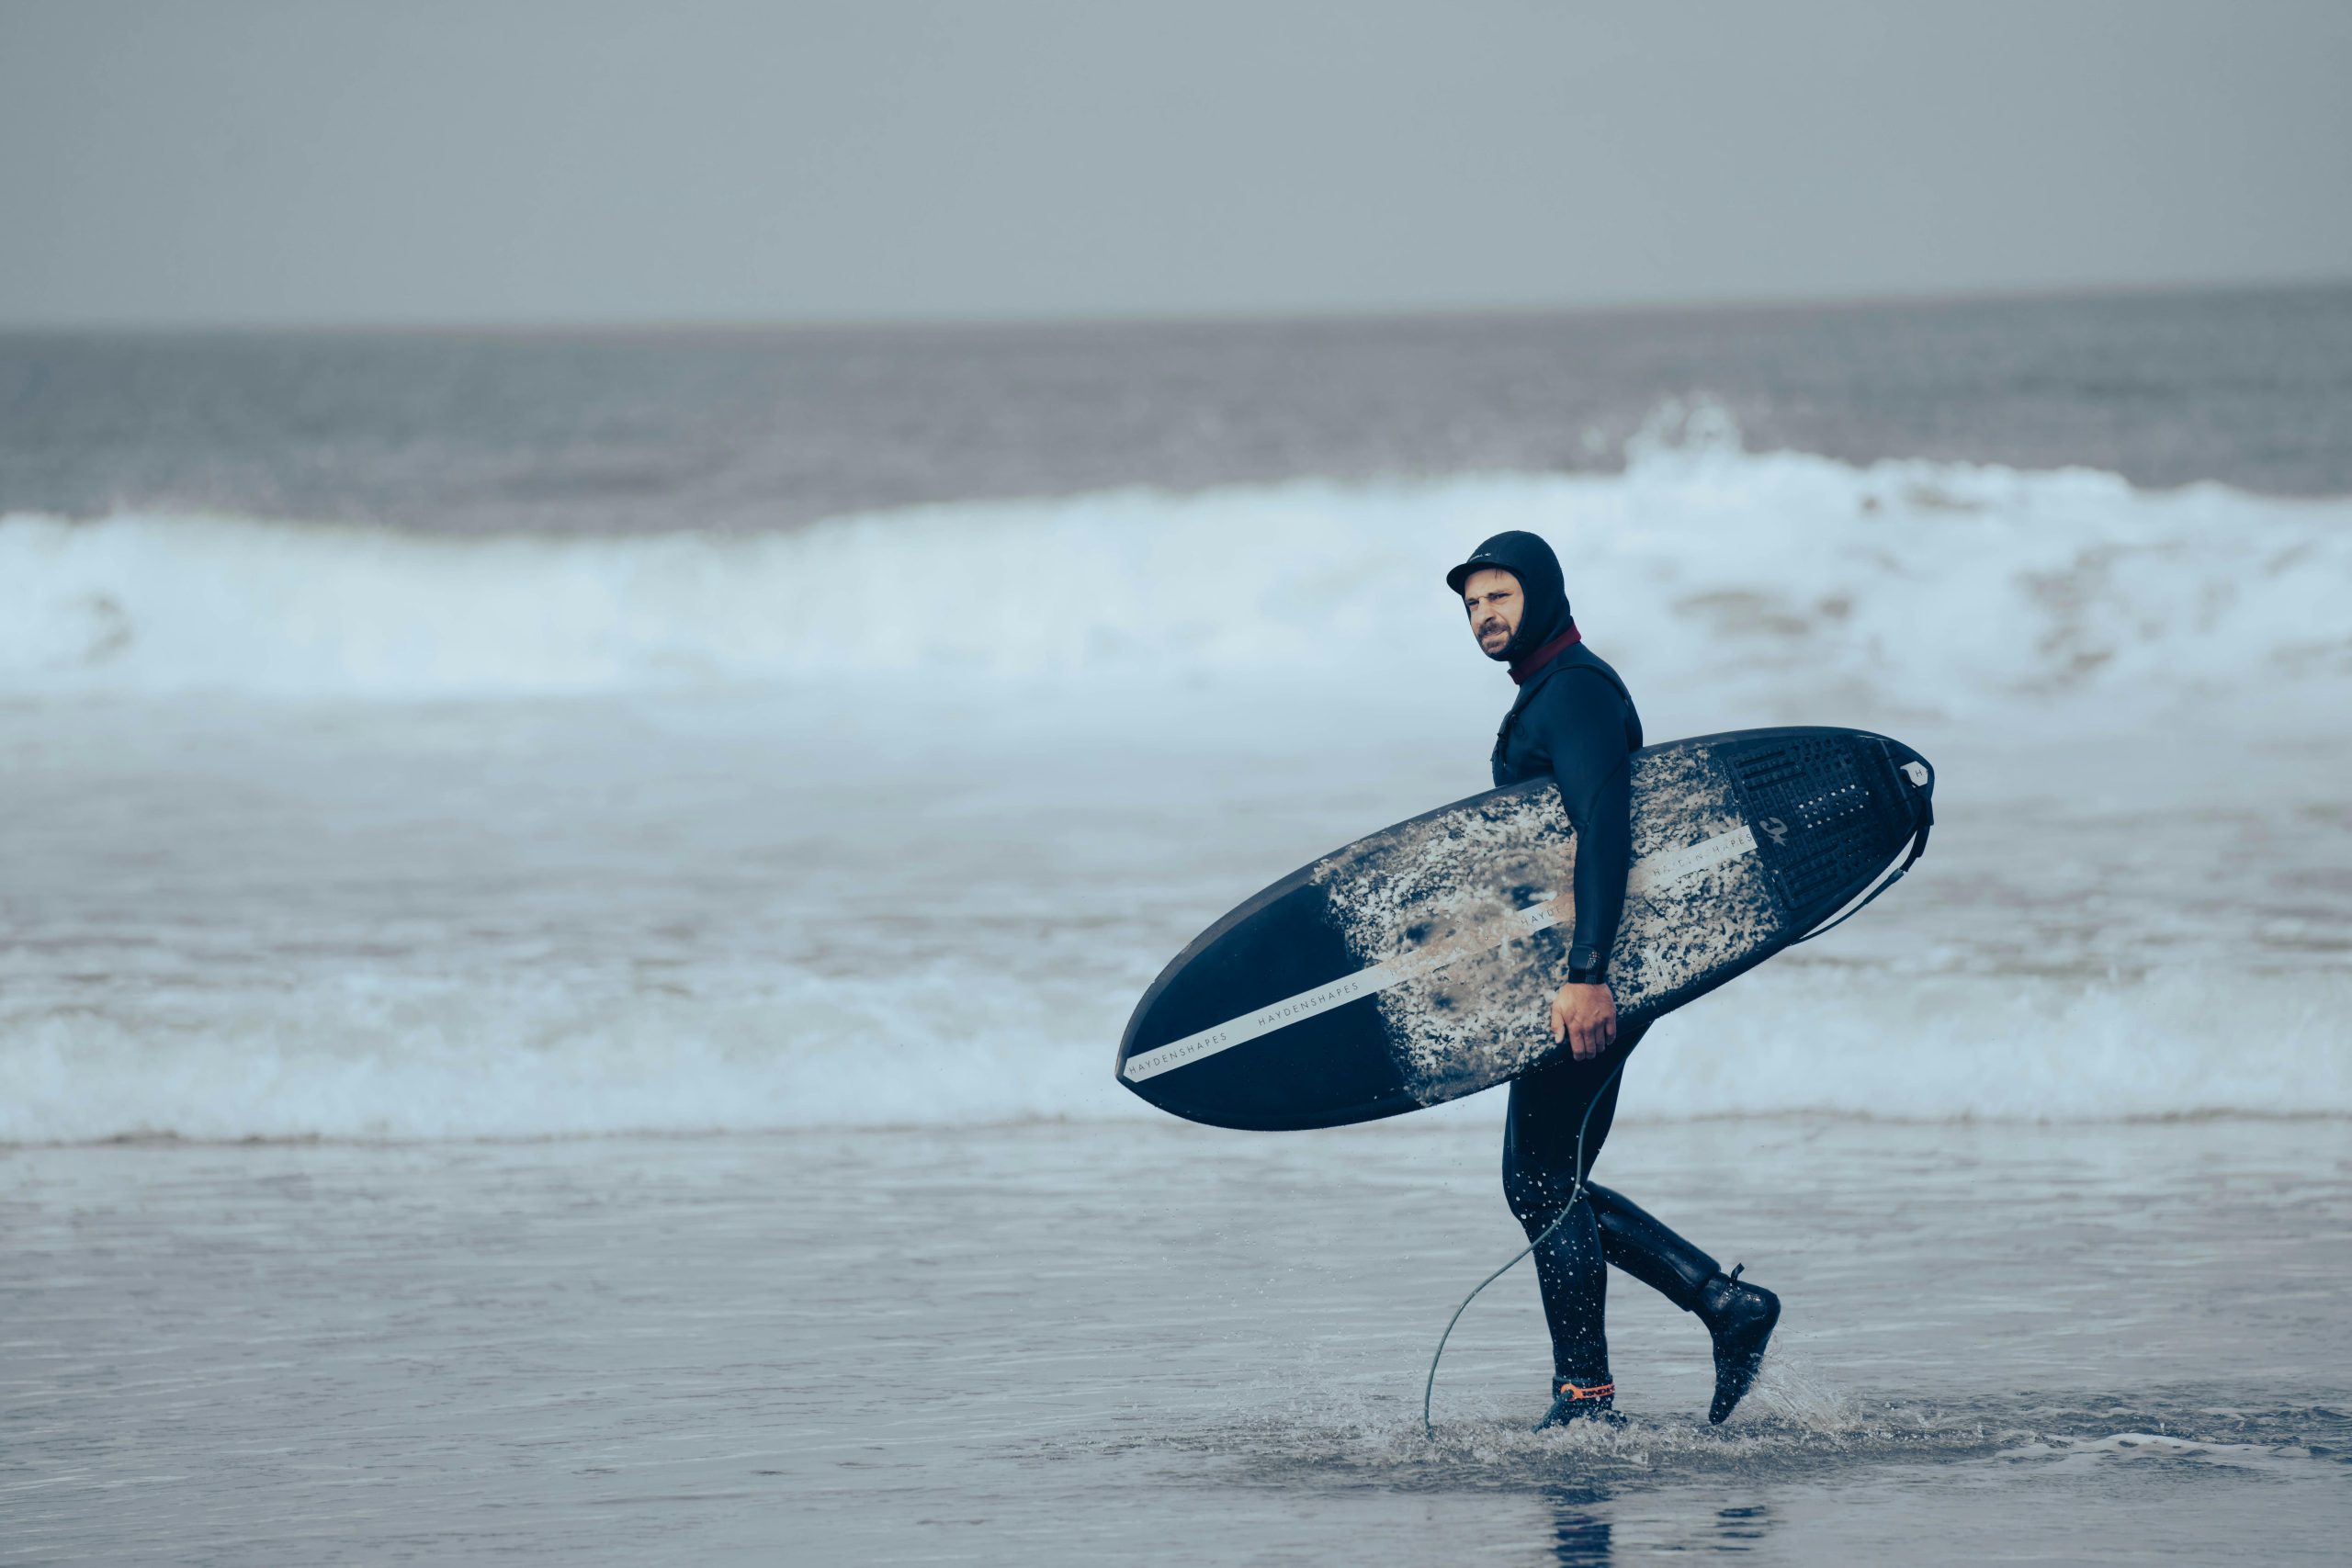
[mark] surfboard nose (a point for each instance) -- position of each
(1919, 777)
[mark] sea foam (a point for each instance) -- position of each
(942, 1048)
(1963, 591)
(1942, 602)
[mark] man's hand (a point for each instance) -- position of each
(1585, 1017)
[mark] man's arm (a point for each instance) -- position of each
(1582, 722)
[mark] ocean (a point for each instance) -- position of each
(566, 903)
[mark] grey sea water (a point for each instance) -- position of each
(1067, 1344)
(757, 430)
(578, 1027)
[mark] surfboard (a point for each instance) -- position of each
(1418, 964)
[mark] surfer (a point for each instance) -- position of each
(1574, 721)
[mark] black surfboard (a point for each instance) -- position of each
(1417, 965)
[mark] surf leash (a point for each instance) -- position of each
(1918, 848)
(1427, 1431)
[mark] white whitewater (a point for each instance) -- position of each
(1977, 592)
(344, 833)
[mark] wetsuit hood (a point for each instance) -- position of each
(1529, 559)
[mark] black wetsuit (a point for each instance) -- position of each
(1575, 722)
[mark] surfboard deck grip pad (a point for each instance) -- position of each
(1819, 825)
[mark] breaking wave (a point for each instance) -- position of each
(1942, 588)
(1961, 600)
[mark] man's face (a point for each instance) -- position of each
(1492, 597)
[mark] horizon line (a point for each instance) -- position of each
(691, 325)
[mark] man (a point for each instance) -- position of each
(1574, 722)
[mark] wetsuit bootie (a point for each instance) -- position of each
(1740, 1318)
(1586, 1402)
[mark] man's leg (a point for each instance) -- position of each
(1634, 1239)
(1739, 1317)
(1549, 1108)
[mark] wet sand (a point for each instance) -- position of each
(1068, 1343)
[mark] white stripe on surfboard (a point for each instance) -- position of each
(1651, 875)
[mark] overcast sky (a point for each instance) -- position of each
(231, 163)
